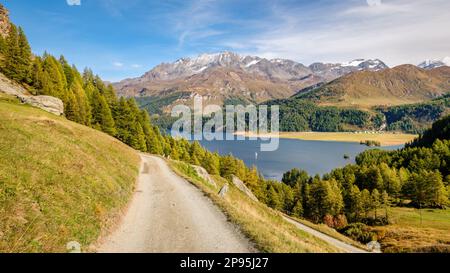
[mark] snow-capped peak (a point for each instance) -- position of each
(356, 62)
(364, 64)
(434, 63)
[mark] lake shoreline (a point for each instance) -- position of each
(385, 139)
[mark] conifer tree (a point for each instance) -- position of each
(185, 156)
(376, 201)
(211, 163)
(137, 137)
(52, 79)
(123, 121)
(385, 202)
(139, 142)
(252, 181)
(71, 109)
(297, 210)
(156, 142)
(153, 143)
(24, 68)
(174, 153)
(355, 203)
(2, 45)
(366, 202)
(273, 198)
(101, 114)
(11, 54)
(81, 96)
(17, 56)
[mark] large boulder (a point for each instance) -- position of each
(223, 191)
(240, 185)
(205, 175)
(50, 104)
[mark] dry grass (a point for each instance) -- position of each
(264, 226)
(410, 234)
(59, 181)
(385, 139)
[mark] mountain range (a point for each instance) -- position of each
(227, 77)
(404, 84)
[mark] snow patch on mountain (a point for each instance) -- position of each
(434, 63)
(446, 60)
(353, 63)
(252, 63)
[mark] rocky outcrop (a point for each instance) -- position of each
(50, 104)
(4, 21)
(204, 175)
(223, 191)
(11, 88)
(241, 186)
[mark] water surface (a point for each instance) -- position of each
(315, 157)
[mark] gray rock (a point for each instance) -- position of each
(223, 191)
(50, 104)
(374, 247)
(240, 185)
(11, 88)
(73, 247)
(204, 174)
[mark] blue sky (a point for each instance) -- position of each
(125, 38)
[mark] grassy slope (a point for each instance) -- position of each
(59, 181)
(264, 226)
(410, 234)
(403, 84)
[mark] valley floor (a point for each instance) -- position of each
(385, 139)
(413, 230)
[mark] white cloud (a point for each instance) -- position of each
(73, 2)
(398, 31)
(194, 21)
(373, 3)
(118, 64)
(136, 66)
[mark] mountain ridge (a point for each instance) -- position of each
(226, 75)
(402, 84)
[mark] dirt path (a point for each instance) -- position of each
(168, 214)
(332, 241)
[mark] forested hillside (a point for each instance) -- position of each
(297, 115)
(417, 176)
(415, 118)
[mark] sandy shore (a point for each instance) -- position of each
(385, 139)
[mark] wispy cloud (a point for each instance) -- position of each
(196, 20)
(118, 64)
(398, 32)
(73, 2)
